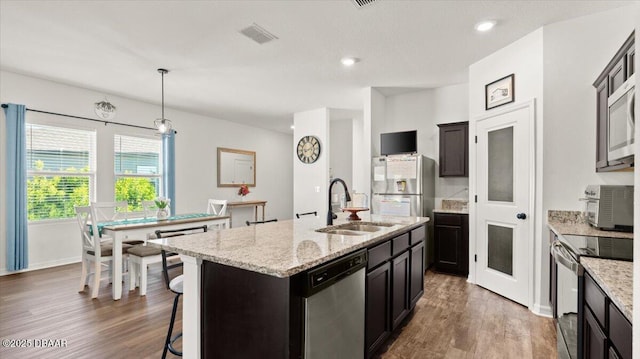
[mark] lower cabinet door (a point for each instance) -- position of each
(399, 289)
(416, 282)
(377, 314)
(595, 342)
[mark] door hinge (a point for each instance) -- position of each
(475, 257)
(476, 139)
(476, 198)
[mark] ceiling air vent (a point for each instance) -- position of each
(258, 34)
(362, 3)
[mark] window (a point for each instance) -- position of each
(60, 171)
(138, 169)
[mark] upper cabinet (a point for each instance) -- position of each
(614, 128)
(454, 149)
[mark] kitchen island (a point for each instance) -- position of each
(243, 286)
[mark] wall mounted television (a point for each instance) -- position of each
(398, 142)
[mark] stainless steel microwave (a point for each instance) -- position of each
(621, 120)
(610, 207)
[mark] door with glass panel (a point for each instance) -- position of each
(503, 220)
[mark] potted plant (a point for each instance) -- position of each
(163, 207)
(243, 191)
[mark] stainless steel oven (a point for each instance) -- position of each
(566, 271)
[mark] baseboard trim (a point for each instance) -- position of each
(542, 310)
(42, 265)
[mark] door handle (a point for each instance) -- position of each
(521, 216)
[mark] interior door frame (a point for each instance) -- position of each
(473, 183)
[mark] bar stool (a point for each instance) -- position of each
(175, 285)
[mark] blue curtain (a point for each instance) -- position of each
(16, 196)
(169, 165)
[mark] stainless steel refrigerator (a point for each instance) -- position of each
(404, 185)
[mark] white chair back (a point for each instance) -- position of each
(149, 208)
(88, 230)
(217, 207)
(111, 211)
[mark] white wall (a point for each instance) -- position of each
(422, 111)
(341, 159)
(311, 183)
(575, 53)
(196, 144)
(524, 59)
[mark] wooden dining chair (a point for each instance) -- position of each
(140, 257)
(175, 284)
(149, 208)
(114, 211)
(314, 213)
(260, 222)
(217, 207)
(94, 250)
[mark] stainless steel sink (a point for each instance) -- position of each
(355, 229)
(343, 232)
(360, 227)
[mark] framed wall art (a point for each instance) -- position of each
(499, 92)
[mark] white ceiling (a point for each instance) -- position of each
(115, 47)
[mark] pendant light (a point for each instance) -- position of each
(162, 124)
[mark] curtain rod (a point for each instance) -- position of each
(4, 105)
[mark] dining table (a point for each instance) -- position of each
(138, 228)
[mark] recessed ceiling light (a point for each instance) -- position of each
(293, 127)
(485, 25)
(349, 61)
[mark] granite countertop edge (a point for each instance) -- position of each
(452, 211)
(613, 280)
(281, 272)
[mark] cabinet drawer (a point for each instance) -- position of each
(379, 254)
(595, 298)
(418, 235)
(448, 219)
(620, 332)
(400, 243)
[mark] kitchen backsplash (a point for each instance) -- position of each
(574, 217)
(454, 204)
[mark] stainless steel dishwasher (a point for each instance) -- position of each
(334, 309)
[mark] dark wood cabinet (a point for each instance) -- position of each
(400, 289)
(378, 297)
(602, 97)
(606, 332)
(395, 283)
(416, 286)
(619, 69)
(451, 235)
(454, 149)
(595, 342)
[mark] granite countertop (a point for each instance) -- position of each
(573, 222)
(616, 279)
(282, 248)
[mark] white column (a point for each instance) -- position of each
(191, 326)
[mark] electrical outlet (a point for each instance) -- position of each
(317, 188)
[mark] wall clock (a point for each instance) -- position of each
(308, 149)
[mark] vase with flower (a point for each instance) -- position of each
(163, 208)
(243, 191)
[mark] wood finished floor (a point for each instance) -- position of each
(452, 320)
